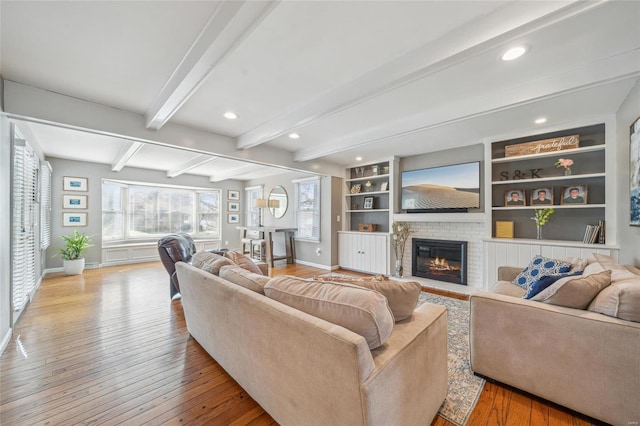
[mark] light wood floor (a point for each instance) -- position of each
(108, 347)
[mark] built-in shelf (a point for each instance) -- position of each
(440, 217)
(551, 243)
(564, 206)
(366, 178)
(563, 153)
(367, 193)
(367, 210)
(547, 179)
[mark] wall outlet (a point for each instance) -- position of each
(338, 218)
(318, 251)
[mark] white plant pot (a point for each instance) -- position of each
(73, 267)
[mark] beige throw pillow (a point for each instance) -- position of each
(363, 311)
(604, 262)
(209, 262)
(243, 261)
(574, 292)
(401, 295)
(620, 300)
(244, 278)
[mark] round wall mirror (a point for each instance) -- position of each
(278, 202)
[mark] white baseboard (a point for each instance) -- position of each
(5, 341)
(317, 265)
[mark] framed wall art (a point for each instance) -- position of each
(634, 173)
(74, 201)
(514, 198)
(233, 206)
(541, 196)
(233, 218)
(233, 195)
(70, 183)
(74, 219)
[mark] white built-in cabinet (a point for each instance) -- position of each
(362, 251)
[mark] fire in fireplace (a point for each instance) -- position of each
(441, 260)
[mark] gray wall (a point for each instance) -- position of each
(95, 173)
(330, 192)
(628, 236)
(446, 157)
(5, 227)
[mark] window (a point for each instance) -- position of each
(45, 205)
(252, 213)
(136, 211)
(308, 208)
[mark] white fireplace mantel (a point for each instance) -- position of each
(441, 217)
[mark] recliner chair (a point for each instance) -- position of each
(178, 247)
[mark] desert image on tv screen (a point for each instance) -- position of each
(448, 187)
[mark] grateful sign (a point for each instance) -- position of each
(545, 145)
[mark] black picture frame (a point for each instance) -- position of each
(368, 203)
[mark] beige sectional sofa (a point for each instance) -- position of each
(304, 370)
(583, 360)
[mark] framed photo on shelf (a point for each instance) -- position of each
(233, 218)
(574, 194)
(368, 203)
(541, 196)
(384, 186)
(233, 206)
(634, 173)
(70, 183)
(74, 201)
(233, 195)
(514, 198)
(74, 219)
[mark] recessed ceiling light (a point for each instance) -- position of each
(540, 120)
(294, 136)
(513, 53)
(230, 115)
(358, 158)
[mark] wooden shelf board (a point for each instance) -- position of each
(366, 178)
(549, 179)
(367, 193)
(563, 153)
(367, 210)
(563, 206)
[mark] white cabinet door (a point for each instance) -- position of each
(363, 252)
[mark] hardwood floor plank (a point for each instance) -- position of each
(109, 347)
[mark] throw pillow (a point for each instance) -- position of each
(577, 264)
(539, 267)
(206, 261)
(545, 282)
(244, 278)
(574, 291)
(363, 311)
(620, 300)
(242, 261)
(604, 262)
(401, 295)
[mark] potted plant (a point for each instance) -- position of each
(71, 253)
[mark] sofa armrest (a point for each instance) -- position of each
(410, 370)
(264, 268)
(550, 351)
(508, 273)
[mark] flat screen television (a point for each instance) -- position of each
(453, 188)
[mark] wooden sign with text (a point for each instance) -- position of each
(545, 145)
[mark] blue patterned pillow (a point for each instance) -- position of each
(539, 267)
(545, 282)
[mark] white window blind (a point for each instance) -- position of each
(45, 205)
(23, 250)
(252, 213)
(308, 208)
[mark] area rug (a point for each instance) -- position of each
(464, 388)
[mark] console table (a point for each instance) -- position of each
(289, 243)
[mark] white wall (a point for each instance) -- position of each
(95, 173)
(5, 231)
(628, 236)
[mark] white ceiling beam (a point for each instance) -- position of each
(238, 171)
(125, 154)
(503, 25)
(228, 26)
(191, 164)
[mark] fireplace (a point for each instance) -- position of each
(441, 260)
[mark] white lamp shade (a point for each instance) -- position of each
(260, 203)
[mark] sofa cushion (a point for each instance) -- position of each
(363, 311)
(244, 278)
(620, 300)
(546, 281)
(508, 288)
(574, 291)
(243, 261)
(401, 295)
(539, 267)
(604, 262)
(209, 262)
